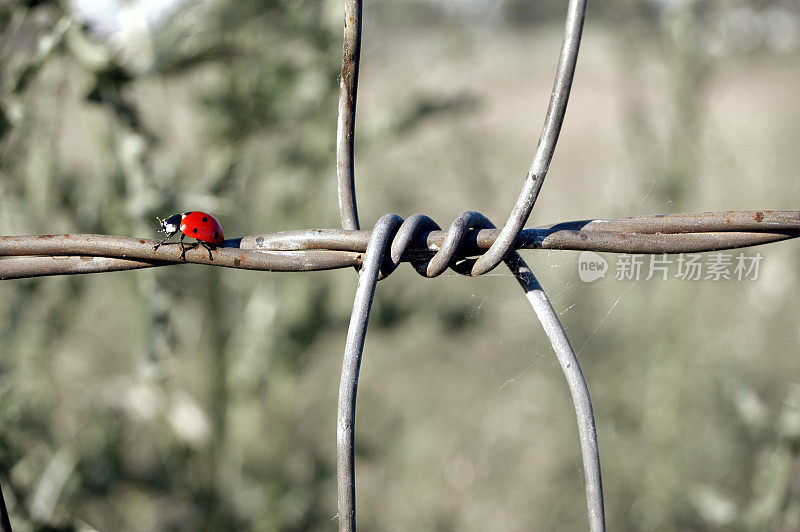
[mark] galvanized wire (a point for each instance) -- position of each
(5, 521)
(351, 363)
(579, 390)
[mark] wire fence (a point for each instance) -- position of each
(471, 246)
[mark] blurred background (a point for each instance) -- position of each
(196, 398)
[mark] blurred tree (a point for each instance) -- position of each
(158, 399)
(193, 398)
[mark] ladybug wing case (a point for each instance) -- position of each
(203, 227)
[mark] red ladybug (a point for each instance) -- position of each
(198, 225)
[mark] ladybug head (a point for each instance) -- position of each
(170, 225)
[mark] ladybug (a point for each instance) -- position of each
(196, 224)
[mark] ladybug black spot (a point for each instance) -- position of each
(194, 230)
(205, 219)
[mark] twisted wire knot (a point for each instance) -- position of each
(403, 233)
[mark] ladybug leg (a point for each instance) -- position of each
(183, 249)
(163, 241)
(210, 257)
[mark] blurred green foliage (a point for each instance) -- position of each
(229, 107)
(192, 398)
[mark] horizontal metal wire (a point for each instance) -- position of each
(71, 254)
(429, 248)
(22, 267)
(672, 233)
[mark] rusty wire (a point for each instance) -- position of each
(82, 253)
(671, 233)
(345, 128)
(325, 249)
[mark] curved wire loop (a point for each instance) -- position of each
(351, 363)
(578, 388)
(547, 142)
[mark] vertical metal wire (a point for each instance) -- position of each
(368, 275)
(577, 387)
(345, 128)
(5, 520)
(386, 227)
(547, 142)
(348, 386)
